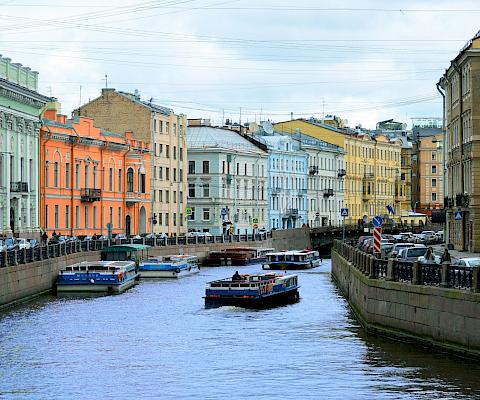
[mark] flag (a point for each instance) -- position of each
(391, 209)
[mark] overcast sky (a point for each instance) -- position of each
(364, 61)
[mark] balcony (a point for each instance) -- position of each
(133, 198)
(292, 212)
(328, 193)
(302, 192)
(229, 179)
(276, 190)
(368, 177)
(342, 173)
(313, 170)
(367, 196)
(19, 187)
(90, 195)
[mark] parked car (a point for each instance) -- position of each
(422, 260)
(429, 237)
(387, 247)
(397, 247)
(11, 243)
(412, 253)
(468, 262)
(361, 239)
(440, 236)
(408, 237)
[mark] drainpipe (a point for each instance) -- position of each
(445, 156)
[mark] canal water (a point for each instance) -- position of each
(157, 341)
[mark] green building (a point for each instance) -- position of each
(20, 109)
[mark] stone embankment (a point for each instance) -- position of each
(435, 305)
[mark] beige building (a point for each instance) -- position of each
(403, 195)
(462, 143)
(165, 131)
(427, 174)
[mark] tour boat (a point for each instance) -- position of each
(252, 291)
(238, 256)
(293, 259)
(97, 276)
(169, 266)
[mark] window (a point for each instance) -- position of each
(110, 219)
(174, 219)
(206, 167)
(86, 218)
(55, 174)
(223, 167)
(67, 217)
(174, 152)
(87, 178)
(67, 175)
(180, 153)
(206, 214)
(167, 151)
(130, 180)
(191, 217)
(77, 216)
(56, 217)
(191, 167)
(22, 168)
(181, 219)
(94, 217)
(30, 172)
(167, 196)
(180, 175)
(160, 151)
(142, 183)
(47, 183)
(167, 174)
(160, 173)
(434, 182)
(191, 190)
(110, 179)
(167, 128)
(434, 169)
(174, 196)
(174, 174)
(160, 218)
(77, 176)
(180, 197)
(160, 196)
(434, 155)
(206, 190)
(167, 219)
(119, 218)
(120, 178)
(434, 197)
(95, 169)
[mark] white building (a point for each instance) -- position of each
(227, 182)
(326, 172)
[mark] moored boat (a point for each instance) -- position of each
(238, 256)
(174, 266)
(252, 291)
(97, 276)
(293, 259)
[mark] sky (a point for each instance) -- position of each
(364, 61)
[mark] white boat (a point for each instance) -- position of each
(293, 259)
(97, 276)
(175, 266)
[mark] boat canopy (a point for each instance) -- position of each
(126, 248)
(123, 252)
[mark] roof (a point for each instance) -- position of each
(207, 137)
(125, 248)
(152, 106)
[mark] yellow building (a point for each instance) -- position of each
(373, 172)
(317, 130)
(404, 183)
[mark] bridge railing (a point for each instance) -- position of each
(444, 275)
(54, 250)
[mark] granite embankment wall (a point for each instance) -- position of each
(21, 282)
(448, 319)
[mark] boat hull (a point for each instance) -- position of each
(260, 302)
(152, 273)
(285, 265)
(96, 288)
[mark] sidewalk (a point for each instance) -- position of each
(455, 254)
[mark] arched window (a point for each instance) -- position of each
(130, 180)
(55, 174)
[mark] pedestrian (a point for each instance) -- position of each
(54, 234)
(44, 237)
(446, 257)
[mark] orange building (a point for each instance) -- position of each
(90, 178)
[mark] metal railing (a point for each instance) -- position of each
(55, 250)
(444, 275)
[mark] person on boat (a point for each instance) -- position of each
(236, 276)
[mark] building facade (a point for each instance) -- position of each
(427, 174)
(325, 182)
(20, 109)
(313, 128)
(227, 182)
(403, 194)
(165, 132)
(91, 178)
(462, 143)
(287, 182)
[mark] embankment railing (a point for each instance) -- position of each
(446, 275)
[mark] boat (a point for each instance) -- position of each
(293, 259)
(252, 291)
(174, 266)
(238, 256)
(97, 276)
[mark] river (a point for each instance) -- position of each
(157, 341)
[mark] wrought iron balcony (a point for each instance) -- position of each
(132, 198)
(276, 190)
(342, 173)
(328, 193)
(368, 177)
(90, 195)
(19, 187)
(292, 212)
(313, 170)
(462, 200)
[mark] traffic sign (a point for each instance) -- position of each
(188, 211)
(255, 221)
(255, 226)
(344, 212)
(377, 221)
(224, 212)
(458, 215)
(377, 239)
(317, 214)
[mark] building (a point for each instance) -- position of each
(313, 128)
(91, 178)
(287, 182)
(403, 192)
(373, 167)
(20, 109)
(326, 175)
(427, 174)
(165, 132)
(227, 182)
(461, 144)
(427, 122)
